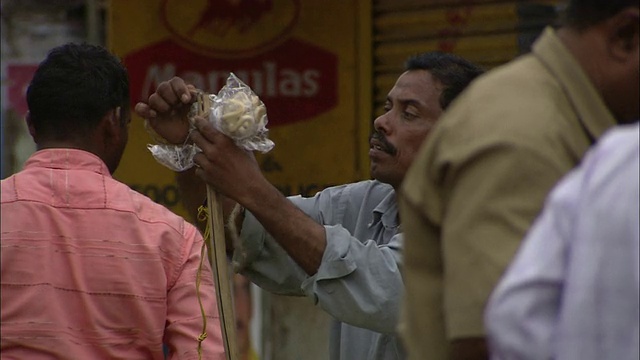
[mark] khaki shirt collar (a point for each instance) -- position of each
(585, 99)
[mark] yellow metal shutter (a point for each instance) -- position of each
(486, 32)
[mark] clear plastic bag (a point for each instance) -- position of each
(236, 111)
(240, 114)
(175, 157)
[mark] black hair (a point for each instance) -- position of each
(73, 88)
(581, 14)
(454, 72)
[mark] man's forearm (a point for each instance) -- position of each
(298, 234)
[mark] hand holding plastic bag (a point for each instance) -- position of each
(236, 111)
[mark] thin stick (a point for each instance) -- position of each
(218, 259)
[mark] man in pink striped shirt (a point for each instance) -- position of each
(91, 269)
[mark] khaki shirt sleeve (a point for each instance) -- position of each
(491, 197)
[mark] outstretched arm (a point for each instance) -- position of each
(296, 243)
(233, 172)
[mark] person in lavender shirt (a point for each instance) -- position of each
(572, 291)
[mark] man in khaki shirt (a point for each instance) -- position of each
(481, 178)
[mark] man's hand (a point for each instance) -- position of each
(232, 171)
(166, 110)
(235, 173)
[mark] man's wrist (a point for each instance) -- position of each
(236, 217)
(159, 139)
(233, 227)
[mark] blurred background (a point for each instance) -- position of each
(322, 67)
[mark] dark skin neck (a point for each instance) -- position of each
(608, 54)
(101, 141)
(57, 144)
(94, 146)
(580, 45)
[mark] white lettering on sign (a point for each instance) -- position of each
(267, 81)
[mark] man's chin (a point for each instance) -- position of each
(383, 177)
(373, 170)
(377, 175)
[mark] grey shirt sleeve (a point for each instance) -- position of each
(264, 261)
(358, 282)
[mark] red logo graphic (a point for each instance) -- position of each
(458, 19)
(231, 28)
(222, 15)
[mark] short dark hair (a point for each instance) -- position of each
(454, 72)
(73, 88)
(581, 14)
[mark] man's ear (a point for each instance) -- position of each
(113, 119)
(32, 129)
(623, 34)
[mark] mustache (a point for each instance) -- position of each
(384, 144)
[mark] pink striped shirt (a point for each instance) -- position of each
(94, 270)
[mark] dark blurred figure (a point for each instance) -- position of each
(481, 180)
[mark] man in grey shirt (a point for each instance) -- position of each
(342, 247)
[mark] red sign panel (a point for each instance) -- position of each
(295, 80)
(19, 76)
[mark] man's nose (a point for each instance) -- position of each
(381, 123)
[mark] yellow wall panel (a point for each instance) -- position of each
(306, 59)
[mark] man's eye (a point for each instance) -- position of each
(409, 116)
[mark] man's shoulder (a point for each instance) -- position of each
(145, 209)
(519, 103)
(523, 69)
(622, 138)
(373, 184)
(361, 193)
(608, 170)
(520, 84)
(615, 159)
(7, 189)
(367, 194)
(367, 189)
(350, 201)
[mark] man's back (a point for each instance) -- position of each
(94, 270)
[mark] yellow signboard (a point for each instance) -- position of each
(309, 61)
